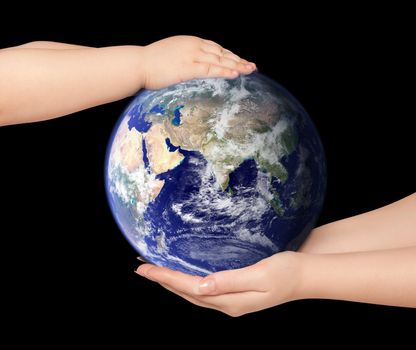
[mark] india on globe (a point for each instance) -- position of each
(215, 174)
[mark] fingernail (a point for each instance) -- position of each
(138, 272)
(207, 286)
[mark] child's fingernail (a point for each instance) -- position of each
(138, 272)
(206, 287)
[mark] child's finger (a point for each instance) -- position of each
(225, 62)
(229, 54)
(189, 298)
(219, 51)
(216, 50)
(211, 43)
(209, 70)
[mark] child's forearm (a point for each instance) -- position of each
(39, 84)
(382, 277)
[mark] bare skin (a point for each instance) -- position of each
(70, 78)
(367, 258)
(389, 227)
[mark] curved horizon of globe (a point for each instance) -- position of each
(224, 162)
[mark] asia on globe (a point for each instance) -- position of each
(215, 174)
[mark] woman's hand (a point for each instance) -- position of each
(181, 58)
(270, 282)
(385, 277)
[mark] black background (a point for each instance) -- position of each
(66, 267)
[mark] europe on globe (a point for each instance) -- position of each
(215, 174)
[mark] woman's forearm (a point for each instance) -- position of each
(370, 258)
(392, 226)
(385, 277)
(40, 84)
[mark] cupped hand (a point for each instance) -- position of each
(270, 282)
(181, 58)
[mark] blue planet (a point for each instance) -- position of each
(215, 174)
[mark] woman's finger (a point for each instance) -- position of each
(190, 298)
(174, 279)
(232, 281)
(234, 304)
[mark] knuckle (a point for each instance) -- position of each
(208, 69)
(200, 52)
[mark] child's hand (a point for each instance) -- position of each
(68, 78)
(270, 282)
(181, 58)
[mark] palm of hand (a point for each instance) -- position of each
(270, 282)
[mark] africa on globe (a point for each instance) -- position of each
(215, 174)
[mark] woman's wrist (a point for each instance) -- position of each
(381, 277)
(300, 261)
(313, 271)
(310, 278)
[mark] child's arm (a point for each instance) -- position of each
(43, 83)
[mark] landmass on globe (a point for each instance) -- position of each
(214, 174)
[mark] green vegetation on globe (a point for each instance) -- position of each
(214, 174)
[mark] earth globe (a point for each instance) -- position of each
(215, 174)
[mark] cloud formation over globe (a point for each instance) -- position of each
(215, 174)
